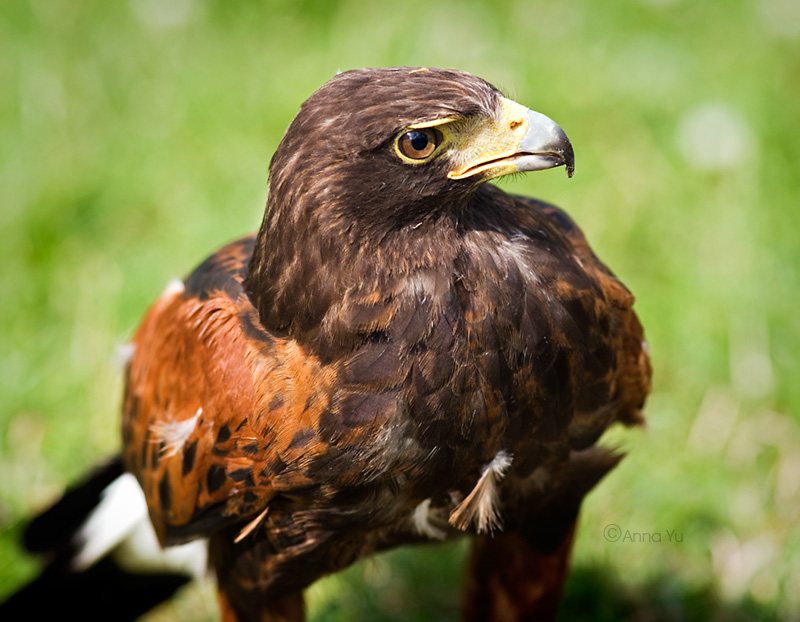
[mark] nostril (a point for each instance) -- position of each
(514, 125)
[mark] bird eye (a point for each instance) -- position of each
(419, 144)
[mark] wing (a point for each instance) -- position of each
(634, 374)
(569, 340)
(218, 414)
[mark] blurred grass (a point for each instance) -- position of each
(135, 138)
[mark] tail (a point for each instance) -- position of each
(103, 561)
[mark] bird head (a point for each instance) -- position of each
(377, 168)
(405, 141)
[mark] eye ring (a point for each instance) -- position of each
(419, 143)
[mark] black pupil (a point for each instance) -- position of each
(418, 140)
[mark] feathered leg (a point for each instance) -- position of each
(287, 609)
(241, 595)
(518, 575)
(511, 581)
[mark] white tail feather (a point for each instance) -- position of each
(120, 525)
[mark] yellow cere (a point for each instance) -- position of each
(489, 149)
(477, 145)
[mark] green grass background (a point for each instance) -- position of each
(135, 138)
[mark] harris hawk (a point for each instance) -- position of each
(401, 353)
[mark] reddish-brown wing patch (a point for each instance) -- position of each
(216, 409)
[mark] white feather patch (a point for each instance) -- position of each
(174, 434)
(120, 526)
(123, 354)
(480, 505)
(175, 286)
(421, 520)
(122, 506)
(140, 552)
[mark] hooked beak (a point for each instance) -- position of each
(518, 140)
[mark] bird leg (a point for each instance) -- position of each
(286, 609)
(511, 581)
(242, 593)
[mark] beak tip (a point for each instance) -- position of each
(546, 136)
(569, 165)
(567, 156)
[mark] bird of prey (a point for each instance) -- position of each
(401, 353)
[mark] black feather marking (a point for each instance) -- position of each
(250, 448)
(250, 497)
(215, 478)
(189, 453)
(165, 493)
(224, 434)
(155, 454)
(243, 475)
(275, 466)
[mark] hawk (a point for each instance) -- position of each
(401, 353)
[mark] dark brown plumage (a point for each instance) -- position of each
(401, 353)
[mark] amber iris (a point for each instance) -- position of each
(420, 143)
